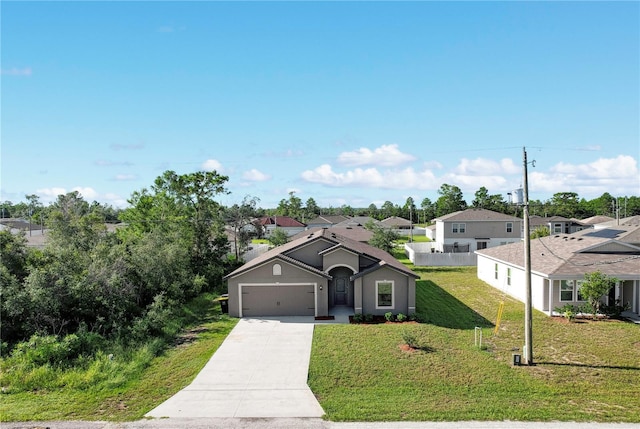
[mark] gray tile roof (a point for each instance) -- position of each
(564, 254)
(594, 220)
(477, 215)
(356, 233)
(285, 250)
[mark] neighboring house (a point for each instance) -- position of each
(326, 221)
(557, 224)
(356, 233)
(286, 223)
(595, 220)
(361, 221)
(559, 263)
(475, 229)
(313, 274)
(395, 222)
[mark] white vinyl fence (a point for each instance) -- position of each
(422, 255)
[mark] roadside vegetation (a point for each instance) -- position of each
(117, 383)
(585, 371)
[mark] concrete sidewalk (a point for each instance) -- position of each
(259, 371)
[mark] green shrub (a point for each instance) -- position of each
(418, 317)
(389, 316)
(614, 310)
(410, 339)
(358, 318)
(402, 317)
(368, 318)
(567, 311)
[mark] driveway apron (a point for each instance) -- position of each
(260, 370)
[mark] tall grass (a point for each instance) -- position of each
(119, 381)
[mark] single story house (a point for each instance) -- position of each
(559, 263)
(395, 222)
(285, 223)
(326, 221)
(313, 274)
(356, 233)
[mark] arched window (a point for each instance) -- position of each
(277, 270)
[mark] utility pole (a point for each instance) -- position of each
(528, 320)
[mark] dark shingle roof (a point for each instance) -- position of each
(283, 252)
(572, 254)
(477, 215)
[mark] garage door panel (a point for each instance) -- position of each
(278, 300)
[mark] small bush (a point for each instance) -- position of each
(389, 316)
(567, 311)
(401, 317)
(358, 318)
(368, 318)
(410, 339)
(615, 310)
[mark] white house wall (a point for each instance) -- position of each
(517, 288)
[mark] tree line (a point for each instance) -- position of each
(451, 199)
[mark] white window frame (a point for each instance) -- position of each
(458, 228)
(509, 226)
(508, 276)
(557, 228)
(495, 271)
(393, 294)
(568, 287)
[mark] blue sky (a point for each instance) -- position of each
(348, 103)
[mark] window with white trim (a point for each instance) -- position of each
(458, 228)
(495, 271)
(384, 294)
(557, 228)
(277, 270)
(566, 290)
(509, 226)
(509, 276)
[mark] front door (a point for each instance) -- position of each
(341, 290)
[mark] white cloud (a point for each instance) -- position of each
(255, 175)
(87, 193)
(617, 176)
(371, 178)
(50, 194)
(603, 168)
(384, 156)
(211, 165)
(14, 71)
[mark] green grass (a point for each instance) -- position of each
(584, 371)
(111, 398)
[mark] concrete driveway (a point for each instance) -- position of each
(259, 371)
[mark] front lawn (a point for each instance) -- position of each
(586, 371)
